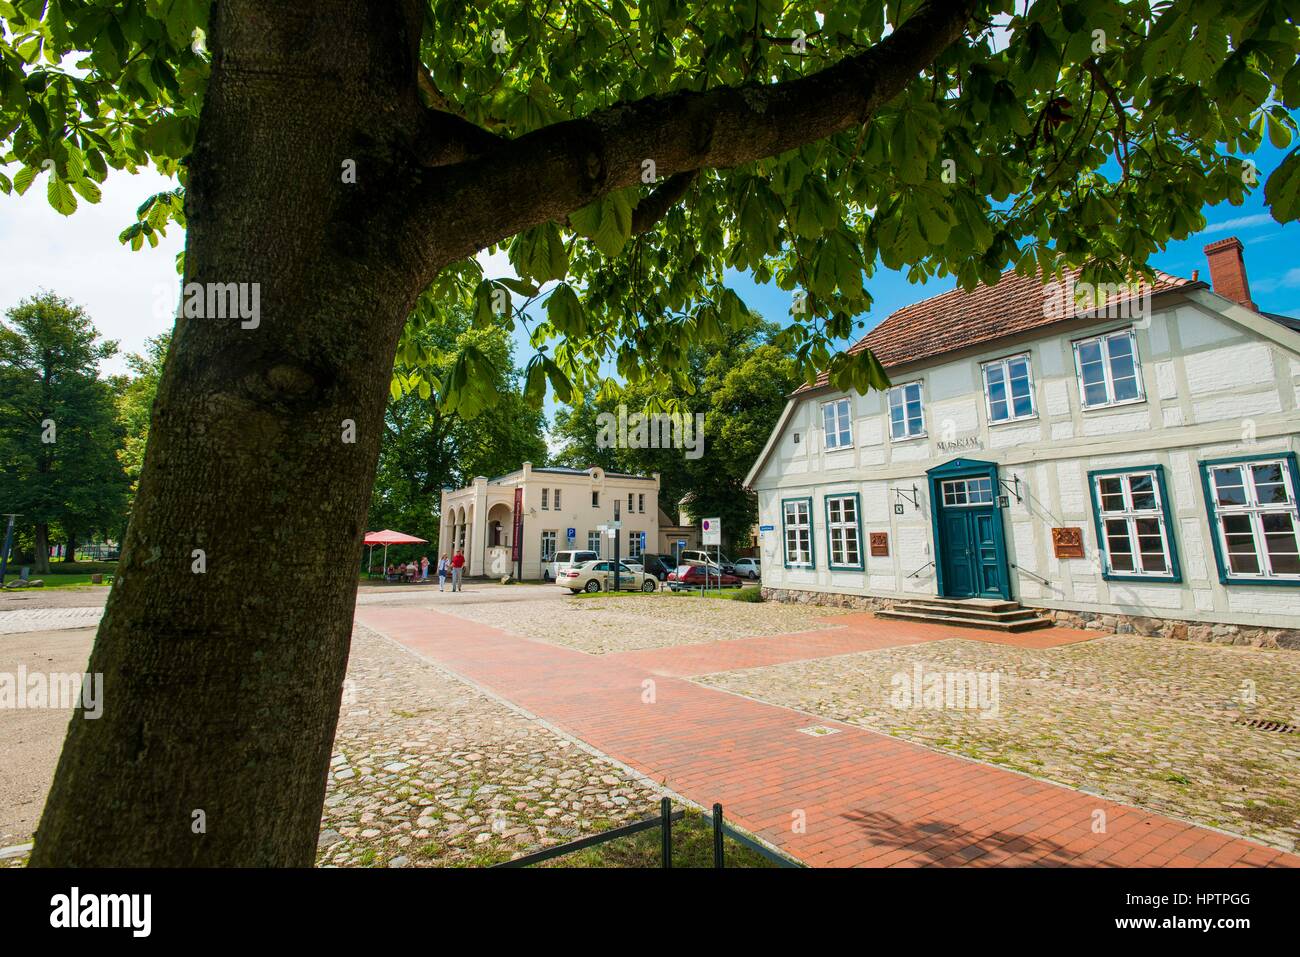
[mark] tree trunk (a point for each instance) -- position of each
(41, 549)
(225, 640)
(70, 555)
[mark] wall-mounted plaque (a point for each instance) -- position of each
(1067, 542)
(879, 544)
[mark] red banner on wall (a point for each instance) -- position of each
(517, 540)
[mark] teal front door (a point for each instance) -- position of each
(969, 550)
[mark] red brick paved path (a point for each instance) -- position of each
(865, 798)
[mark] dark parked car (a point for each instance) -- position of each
(661, 566)
(698, 576)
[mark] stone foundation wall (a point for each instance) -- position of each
(827, 599)
(1210, 632)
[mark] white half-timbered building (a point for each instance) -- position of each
(1132, 467)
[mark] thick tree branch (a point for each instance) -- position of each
(446, 136)
(456, 210)
(654, 207)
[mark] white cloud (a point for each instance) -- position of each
(1241, 222)
(1288, 280)
(79, 257)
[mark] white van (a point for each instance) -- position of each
(563, 561)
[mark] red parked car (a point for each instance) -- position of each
(697, 576)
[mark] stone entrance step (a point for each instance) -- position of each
(969, 613)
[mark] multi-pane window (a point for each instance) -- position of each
(906, 420)
(593, 542)
(843, 531)
(640, 502)
(1131, 516)
(1253, 505)
(1009, 389)
(1108, 369)
(557, 499)
(797, 516)
(633, 544)
(546, 497)
(967, 491)
(630, 497)
(548, 546)
(835, 420)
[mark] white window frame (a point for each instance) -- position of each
(597, 537)
(838, 533)
(956, 493)
(900, 391)
(1130, 515)
(802, 531)
(556, 500)
(595, 499)
(546, 494)
(1108, 375)
(633, 544)
(640, 502)
(1254, 511)
(841, 413)
(1005, 365)
(553, 537)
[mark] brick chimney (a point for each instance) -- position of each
(1228, 270)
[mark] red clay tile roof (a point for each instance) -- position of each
(956, 319)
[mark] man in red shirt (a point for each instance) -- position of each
(457, 567)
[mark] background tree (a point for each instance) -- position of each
(135, 402)
(740, 386)
(428, 445)
(58, 433)
(342, 157)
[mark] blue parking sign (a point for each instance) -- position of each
(572, 534)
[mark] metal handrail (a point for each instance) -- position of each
(921, 569)
(664, 820)
(1031, 574)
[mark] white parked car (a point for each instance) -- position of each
(599, 576)
(561, 562)
(749, 568)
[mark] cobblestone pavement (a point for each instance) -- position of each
(1146, 721)
(636, 622)
(47, 619)
(430, 771)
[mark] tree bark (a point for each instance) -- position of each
(41, 549)
(70, 554)
(222, 680)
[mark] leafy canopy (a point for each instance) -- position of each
(1075, 132)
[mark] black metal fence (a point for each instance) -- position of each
(664, 821)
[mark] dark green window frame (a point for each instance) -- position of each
(1175, 574)
(785, 540)
(857, 515)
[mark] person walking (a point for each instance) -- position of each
(457, 569)
(424, 568)
(444, 566)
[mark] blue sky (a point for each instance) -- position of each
(1272, 263)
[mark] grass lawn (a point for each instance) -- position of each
(65, 574)
(692, 847)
